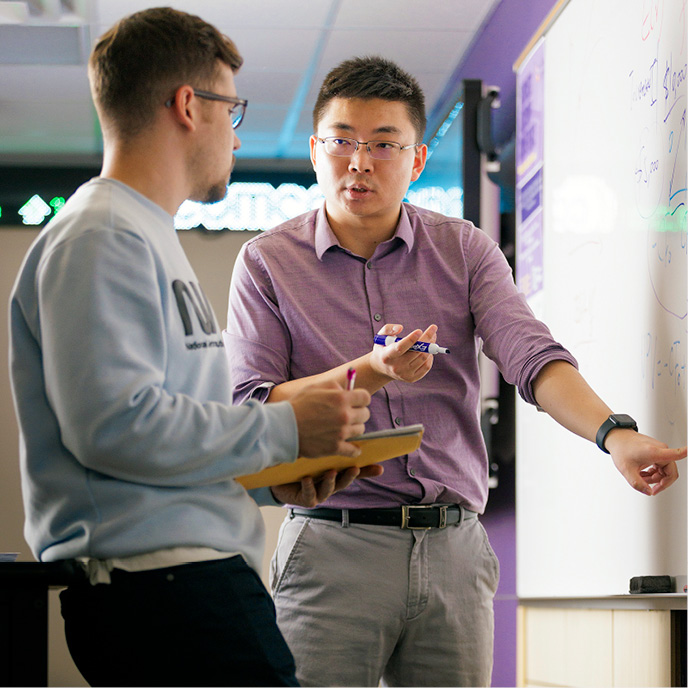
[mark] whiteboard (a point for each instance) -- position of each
(614, 293)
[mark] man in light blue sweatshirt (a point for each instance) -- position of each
(129, 442)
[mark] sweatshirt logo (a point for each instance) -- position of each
(192, 295)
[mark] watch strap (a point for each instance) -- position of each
(620, 420)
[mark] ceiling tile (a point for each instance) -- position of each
(44, 83)
(415, 51)
(275, 88)
(270, 49)
(447, 15)
(23, 129)
(227, 15)
(288, 47)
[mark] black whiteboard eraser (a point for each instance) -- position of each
(651, 584)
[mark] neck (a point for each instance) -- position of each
(147, 167)
(362, 235)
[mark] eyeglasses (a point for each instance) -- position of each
(380, 150)
(236, 113)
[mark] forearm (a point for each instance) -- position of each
(647, 464)
(366, 378)
(563, 393)
(375, 369)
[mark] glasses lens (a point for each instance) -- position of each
(341, 147)
(238, 114)
(384, 150)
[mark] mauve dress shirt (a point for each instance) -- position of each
(300, 304)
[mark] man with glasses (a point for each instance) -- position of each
(393, 578)
(130, 443)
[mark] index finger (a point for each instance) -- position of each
(404, 344)
(430, 335)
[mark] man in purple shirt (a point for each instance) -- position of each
(363, 593)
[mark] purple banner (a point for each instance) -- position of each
(530, 196)
(529, 162)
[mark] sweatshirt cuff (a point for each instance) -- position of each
(282, 416)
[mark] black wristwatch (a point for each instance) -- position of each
(616, 420)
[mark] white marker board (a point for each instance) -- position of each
(614, 293)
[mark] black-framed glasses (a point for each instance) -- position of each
(342, 147)
(236, 113)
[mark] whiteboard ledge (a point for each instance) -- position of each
(673, 600)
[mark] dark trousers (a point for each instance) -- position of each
(210, 623)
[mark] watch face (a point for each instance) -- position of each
(622, 420)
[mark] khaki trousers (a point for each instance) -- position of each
(360, 604)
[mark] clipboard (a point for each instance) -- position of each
(375, 447)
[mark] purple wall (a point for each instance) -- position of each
(491, 59)
(500, 523)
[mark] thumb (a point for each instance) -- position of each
(391, 328)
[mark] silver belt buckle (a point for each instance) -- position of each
(406, 515)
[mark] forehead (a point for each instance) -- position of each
(372, 115)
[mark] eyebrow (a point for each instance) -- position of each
(385, 129)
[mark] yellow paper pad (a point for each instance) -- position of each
(375, 447)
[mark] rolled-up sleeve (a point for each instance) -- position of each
(256, 338)
(519, 343)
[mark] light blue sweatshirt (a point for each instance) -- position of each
(129, 443)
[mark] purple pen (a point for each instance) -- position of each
(425, 347)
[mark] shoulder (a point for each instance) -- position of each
(439, 228)
(99, 218)
(102, 205)
(290, 236)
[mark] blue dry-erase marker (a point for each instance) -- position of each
(425, 347)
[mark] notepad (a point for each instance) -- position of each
(376, 447)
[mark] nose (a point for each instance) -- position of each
(360, 161)
(237, 141)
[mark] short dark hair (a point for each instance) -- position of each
(137, 64)
(372, 77)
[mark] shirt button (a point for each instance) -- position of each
(369, 265)
(398, 421)
(377, 317)
(412, 471)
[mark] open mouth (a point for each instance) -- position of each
(358, 190)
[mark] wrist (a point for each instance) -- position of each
(616, 421)
(377, 375)
(617, 437)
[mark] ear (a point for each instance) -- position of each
(313, 144)
(182, 107)
(419, 161)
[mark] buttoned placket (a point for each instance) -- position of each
(372, 279)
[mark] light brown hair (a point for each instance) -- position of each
(138, 64)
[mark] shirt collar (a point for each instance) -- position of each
(325, 238)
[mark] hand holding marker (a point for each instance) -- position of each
(350, 378)
(425, 347)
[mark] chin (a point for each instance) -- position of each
(216, 193)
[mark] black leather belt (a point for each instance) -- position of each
(413, 516)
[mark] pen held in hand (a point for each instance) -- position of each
(425, 347)
(350, 378)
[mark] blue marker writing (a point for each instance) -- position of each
(425, 347)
